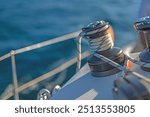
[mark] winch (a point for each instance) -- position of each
(142, 26)
(100, 37)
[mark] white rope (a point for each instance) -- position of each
(100, 43)
(79, 51)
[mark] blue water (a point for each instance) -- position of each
(26, 22)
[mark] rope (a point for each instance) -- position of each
(79, 51)
(100, 43)
(49, 42)
(97, 43)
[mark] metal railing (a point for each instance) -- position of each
(16, 88)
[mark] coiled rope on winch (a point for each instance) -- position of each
(102, 43)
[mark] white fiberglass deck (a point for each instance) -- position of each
(84, 86)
